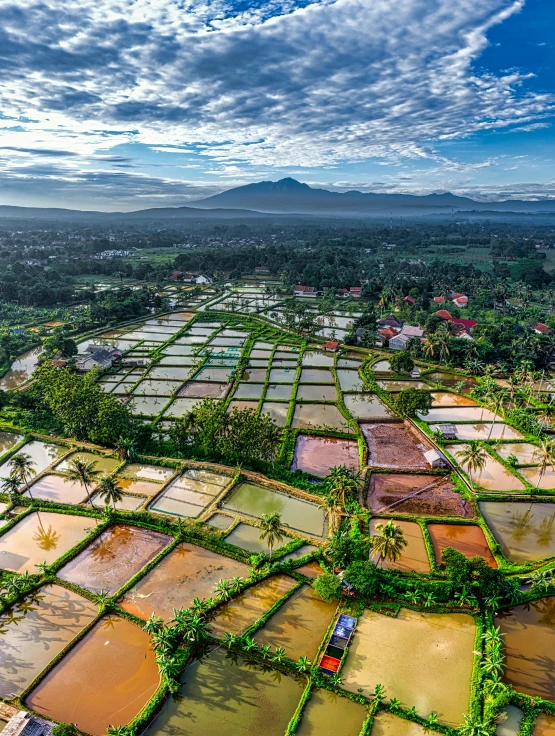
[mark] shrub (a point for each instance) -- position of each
(328, 587)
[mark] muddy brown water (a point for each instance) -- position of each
(299, 625)
(21, 369)
(316, 375)
(102, 463)
(435, 677)
(493, 476)
(41, 537)
(317, 455)
(448, 398)
(545, 725)
(242, 611)
(530, 647)
(114, 557)
(104, 681)
(226, 694)
(524, 529)
(387, 491)
(328, 714)
(204, 389)
(469, 540)
(35, 630)
(186, 573)
(386, 724)
(320, 415)
(316, 393)
(414, 557)
(395, 445)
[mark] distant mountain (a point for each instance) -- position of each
(291, 196)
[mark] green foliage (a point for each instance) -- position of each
(364, 576)
(328, 587)
(401, 362)
(472, 574)
(65, 729)
(413, 400)
(80, 404)
(60, 342)
(237, 436)
(345, 548)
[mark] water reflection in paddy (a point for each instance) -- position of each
(451, 380)
(179, 407)
(316, 393)
(469, 540)
(299, 625)
(525, 530)
(523, 451)
(225, 694)
(315, 358)
(414, 556)
(189, 494)
(104, 681)
(493, 476)
(42, 455)
(21, 369)
(242, 611)
(349, 380)
(148, 472)
(484, 431)
(57, 488)
(316, 455)
(319, 415)
(447, 398)
(530, 647)
(102, 463)
(386, 724)
(545, 725)
(367, 406)
(186, 573)
(249, 391)
(277, 411)
(328, 714)
(247, 537)
(435, 677)
(8, 440)
(41, 537)
(511, 725)
(254, 500)
(278, 391)
(35, 630)
(316, 375)
(114, 557)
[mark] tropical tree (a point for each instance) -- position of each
(83, 472)
(544, 456)
(270, 530)
(22, 469)
(110, 491)
(388, 542)
(10, 485)
(473, 457)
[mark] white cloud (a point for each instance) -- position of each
(279, 84)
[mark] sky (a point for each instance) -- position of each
(128, 104)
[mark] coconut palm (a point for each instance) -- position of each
(342, 485)
(10, 485)
(83, 472)
(270, 530)
(22, 468)
(494, 404)
(544, 456)
(473, 457)
(110, 491)
(388, 542)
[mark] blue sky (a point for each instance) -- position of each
(125, 104)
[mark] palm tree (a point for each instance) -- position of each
(83, 472)
(544, 455)
(110, 491)
(270, 526)
(126, 449)
(388, 543)
(429, 346)
(494, 403)
(10, 485)
(473, 457)
(22, 468)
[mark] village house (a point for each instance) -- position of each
(459, 300)
(304, 291)
(541, 329)
(261, 269)
(97, 356)
(399, 342)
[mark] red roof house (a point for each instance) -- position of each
(468, 324)
(541, 329)
(444, 314)
(409, 300)
(439, 299)
(331, 346)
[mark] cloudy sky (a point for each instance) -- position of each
(125, 104)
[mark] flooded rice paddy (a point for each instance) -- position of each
(178, 408)
(316, 375)
(277, 410)
(34, 631)
(386, 724)
(493, 476)
(367, 406)
(189, 494)
(435, 677)
(42, 455)
(59, 489)
(282, 375)
(317, 455)
(328, 714)
(254, 500)
(245, 609)
(249, 391)
(485, 431)
(204, 390)
(538, 478)
(113, 558)
(21, 369)
(414, 557)
(247, 537)
(8, 440)
(349, 380)
(148, 472)
(392, 385)
(104, 681)
(104, 464)
(459, 414)
(530, 647)
(451, 380)
(469, 540)
(41, 537)
(223, 694)
(511, 725)
(545, 725)
(448, 398)
(525, 530)
(316, 393)
(395, 445)
(299, 625)
(523, 451)
(427, 495)
(186, 573)
(319, 415)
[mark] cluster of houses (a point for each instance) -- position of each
(354, 291)
(190, 277)
(392, 332)
(98, 356)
